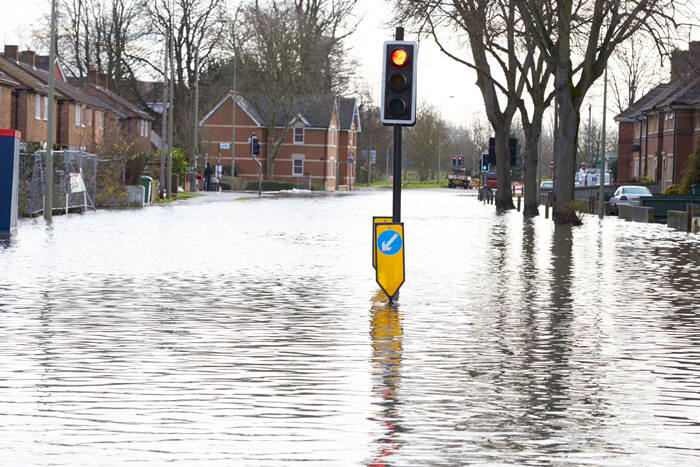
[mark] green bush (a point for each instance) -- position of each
(691, 175)
(675, 190)
(270, 185)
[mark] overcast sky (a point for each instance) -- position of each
(448, 85)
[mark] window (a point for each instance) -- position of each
(653, 123)
(332, 169)
(102, 119)
(77, 115)
(332, 137)
(82, 117)
(637, 128)
(668, 120)
(144, 128)
(350, 138)
(38, 107)
(89, 117)
(298, 165)
(46, 108)
(299, 135)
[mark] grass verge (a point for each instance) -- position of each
(180, 196)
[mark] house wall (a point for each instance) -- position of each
(32, 130)
(625, 161)
(6, 108)
(76, 136)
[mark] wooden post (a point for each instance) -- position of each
(518, 203)
(546, 211)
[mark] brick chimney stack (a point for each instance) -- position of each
(28, 57)
(11, 52)
(92, 76)
(685, 61)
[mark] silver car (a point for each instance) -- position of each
(629, 194)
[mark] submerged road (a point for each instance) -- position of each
(219, 331)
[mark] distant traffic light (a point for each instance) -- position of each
(460, 161)
(254, 146)
(454, 162)
(399, 83)
(485, 162)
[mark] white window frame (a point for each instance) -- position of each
(350, 138)
(102, 119)
(332, 129)
(295, 158)
(332, 169)
(82, 117)
(294, 137)
(37, 113)
(46, 108)
(89, 119)
(77, 114)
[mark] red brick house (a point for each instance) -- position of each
(123, 117)
(79, 116)
(7, 85)
(659, 131)
(319, 145)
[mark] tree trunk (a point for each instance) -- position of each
(533, 133)
(565, 148)
(504, 193)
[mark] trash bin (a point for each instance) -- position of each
(695, 189)
(146, 182)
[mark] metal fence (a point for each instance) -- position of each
(74, 181)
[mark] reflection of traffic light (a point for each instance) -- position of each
(399, 83)
(454, 162)
(460, 161)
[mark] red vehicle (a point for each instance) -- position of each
(491, 180)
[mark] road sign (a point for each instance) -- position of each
(224, 145)
(389, 248)
(373, 157)
(377, 220)
(551, 165)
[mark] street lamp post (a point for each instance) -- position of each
(48, 189)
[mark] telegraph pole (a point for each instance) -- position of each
(195, 135)
(164, 114)
(233, 121)
(601, 193)
(169, 180)
(48, 187)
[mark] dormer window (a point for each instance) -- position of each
(299, 135)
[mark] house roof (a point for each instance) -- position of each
(6, 80)
(24, 79)
(42, 61)
(312, 111)
(680, 92)
(348, 110)
(113, 101)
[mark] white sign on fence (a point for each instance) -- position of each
(77, 185)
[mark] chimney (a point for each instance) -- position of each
(680, 64)
(694, 54)
(103, 80)
(11, 52)
(92, 76)
(27, 56)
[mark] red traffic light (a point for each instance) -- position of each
(399, 57)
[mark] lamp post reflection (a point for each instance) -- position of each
(386, 333)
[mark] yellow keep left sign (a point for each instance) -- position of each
(389, 248)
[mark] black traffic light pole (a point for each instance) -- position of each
(397, 158)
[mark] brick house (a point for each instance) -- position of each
(659, 131)
(80, 117)
(319, 146)
(7, 85)
(123, 118)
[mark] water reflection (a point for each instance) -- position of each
(387, 336)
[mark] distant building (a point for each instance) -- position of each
(659, 131)
(320, 146)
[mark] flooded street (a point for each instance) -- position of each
(252, 333)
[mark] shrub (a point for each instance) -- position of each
(270, 185)
(691, 174)
(675, 190)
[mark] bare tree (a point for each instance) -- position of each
(576, 38)
(423, 141)
(636, 70)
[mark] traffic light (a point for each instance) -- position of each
(399, 83)
(254, 146)
(485, 162)
(454, 162)
(460, 161)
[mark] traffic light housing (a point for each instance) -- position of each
(254, 146)
(399, 83)
(454, 162)
(485, 162)
(460, 161)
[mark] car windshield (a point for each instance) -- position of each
(637, 190)
(546, 185)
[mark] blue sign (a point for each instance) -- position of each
(389, 242)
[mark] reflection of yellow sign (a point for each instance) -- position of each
(377, 220)
(389, 249)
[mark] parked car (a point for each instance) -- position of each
(546, 186)
(628, 194)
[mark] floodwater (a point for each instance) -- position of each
(219, 331)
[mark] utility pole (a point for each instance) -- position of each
(590, 156)
(164, 113)
(233, 120)
(601, 193)
(48, 178)
(169, 180)
(195, 135)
